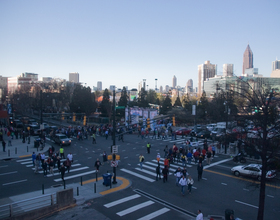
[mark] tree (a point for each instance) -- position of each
(152, 97)
(264, 100)
(106, 105)
(178, 102)
(142, 98)
(166, 105)
(202, 106)
(124, 98)
(186, 103)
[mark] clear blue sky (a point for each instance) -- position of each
(122, 42)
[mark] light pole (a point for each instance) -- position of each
(156, 85)
(114, 134)
(226, 111)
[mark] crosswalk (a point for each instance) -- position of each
(137, 206)
(77, 170)
(149, 169)
(181, 141)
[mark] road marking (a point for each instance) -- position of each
(74, 176)
(155, 165)
(123, 150)
(29, 155)
(89, 157)
(138, 175)
(246, 189)
(5, 184)
(27, 162)
(55, 169)
(24, 160)
(74, 170)
(216, 163)
(247, 204)
(146, 171)
(134, 208)
(224, 184)
(270, 196)
(129, 164)
(155, 214)
(240, 178)
(2, 174)
(117, 202)
(125, 157)
(204, 178)
(194, 187)
(3, 166)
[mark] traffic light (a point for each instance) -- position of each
(173, 119)
(74, 117)
(148, 123)
(85, 120)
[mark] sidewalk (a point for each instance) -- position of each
(19, 149)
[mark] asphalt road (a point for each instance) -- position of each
(217, 191)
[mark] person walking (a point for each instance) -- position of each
(62, 171)
(141, 160)
(97, 164)
(199, 171)
(68, 164)
(4, 145)
(158, 157)
(158, 172)
(178, 175)
(61, 151)
(165, 174)
(148, 147)
(165, 151)
(189, 156)
(208, 157)
(190, 182)
(58, 163)
(33, 158)
(10, 141)
(183, 183)
(51, 164)
(45, 167)
(93, 138)
(37, 164)
(70, 157)
(199, 215)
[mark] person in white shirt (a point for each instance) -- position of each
(200, 215)
(183, 183)
(70, 157)
(190, 183)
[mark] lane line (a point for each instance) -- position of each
(146, 171)
(137, 175)
(23, 160)
(247, 204)
(155, 214)
(5, 184)
(270, 196)
(3, 166)
(134, 208)
(74, 170)
(117, 202)
(224, 184)
(246, 189)
(216, 163)
(2, 174)
(74, 176)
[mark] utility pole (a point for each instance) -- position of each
(41, 106)
(114, 134)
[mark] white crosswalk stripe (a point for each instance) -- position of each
(140, 204)
(137, 175)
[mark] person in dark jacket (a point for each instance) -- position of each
(158, 172)
(97, 164)
(165, 173)
(45, 167)
(62, 171)
(199, 171)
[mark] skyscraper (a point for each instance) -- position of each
(228, 70)
(247, 59)
(99, 86)
(205, 71)
(275, 65)
(189, 86)
(174, 82)
(74, 77)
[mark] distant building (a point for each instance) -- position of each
(247, 59)
(276, 65)
(189, 86)
(160, 89)
(99, 86)
(112, 88)
(174, 82)
(228, 70)
(46, 79)
(205, 71)
(251, 72)
(15, 83)
(74, 77)
(167, 88)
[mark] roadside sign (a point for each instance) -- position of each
(114, 163)
(115, 149)
(110, 157)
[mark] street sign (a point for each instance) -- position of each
(114, 163)
(115, 149)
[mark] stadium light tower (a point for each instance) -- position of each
(156, 85)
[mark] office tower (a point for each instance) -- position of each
(189, 86)
(160, 89)
(74, 77)
(205, 71)
(174, 82)
(144, 84)
(276, 65)
(99, 86)
(228, 70)
(247, 59)
(167, 88)
(112, 88)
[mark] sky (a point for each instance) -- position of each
(123, 42)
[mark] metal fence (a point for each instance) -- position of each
(16, 208)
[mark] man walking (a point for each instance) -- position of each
(62, 171)
(190, 183)
(165, 173)
(4, 145)
(178, 175)
(199, 215)
(158, 172)
(97, 164)
(199, 171)
(141, 160)
(61, 151)
(148, 147)
(183, 183)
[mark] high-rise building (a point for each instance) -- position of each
(174, 82)
(276, 65)
(112, 88)
(189, 86)
(167, 88)
(160, 89)
(205, 71)
(228, 70)
(247, 59)
(74, 77)
(99, 86)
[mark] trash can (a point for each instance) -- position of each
(107, 179)
(228, 212)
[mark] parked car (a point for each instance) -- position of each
(203, 134)
(252, 170)
(210, 127)
(183, 131)
(62, 139)
(218, 133)
(196, 130)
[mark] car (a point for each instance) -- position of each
(62, 139)
(203, 134)
(195, 131)
(210, 127)
(183, 131)
(252, 170)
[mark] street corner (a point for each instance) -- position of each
(123, 183)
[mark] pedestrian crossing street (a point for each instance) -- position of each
(75, 170)
(149, 169)
(139, 207)
(180, 140)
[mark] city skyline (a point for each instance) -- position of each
(97, 40)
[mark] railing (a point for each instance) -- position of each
(12, 209)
